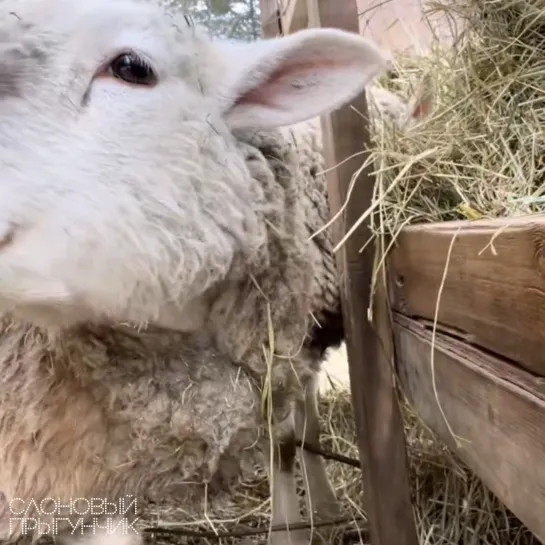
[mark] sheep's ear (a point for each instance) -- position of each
(287, 80)
(421, 104)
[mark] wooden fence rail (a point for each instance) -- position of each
(470, 343)
(493, 291)
(378, 419)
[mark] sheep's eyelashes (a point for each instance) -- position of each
(130, 68)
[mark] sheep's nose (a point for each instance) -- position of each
(7, 232)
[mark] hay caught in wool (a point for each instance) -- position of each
(481, 154)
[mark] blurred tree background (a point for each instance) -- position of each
(239, 19)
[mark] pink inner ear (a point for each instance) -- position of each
(422, 108)
(288, 78)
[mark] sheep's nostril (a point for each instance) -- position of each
(7, 233)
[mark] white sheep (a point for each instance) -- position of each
(125, 198)
(146, 179)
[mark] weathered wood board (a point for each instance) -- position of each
(377, 414)
(270, 18)
(294, 15)
(283, 16)
(494, 283)
(496, 411)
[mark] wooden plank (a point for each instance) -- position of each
(406, 25)
(270, 18)
(494, 296)
(294, 16)
(378, 420)
(496, 410)
(312, 13)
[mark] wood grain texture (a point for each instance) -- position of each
(495, 409)
(294, 15)
(493, 294)
(378, 419)
(270, 18)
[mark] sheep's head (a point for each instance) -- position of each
(122, 195)
(403, 114)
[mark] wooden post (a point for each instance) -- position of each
(270, 18)
(294, 16)
(378, 418)
(279, 18)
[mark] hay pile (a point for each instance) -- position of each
(452, 506)
(482, 152)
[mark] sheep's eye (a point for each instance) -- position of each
(132, 69)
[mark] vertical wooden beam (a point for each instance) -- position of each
(294, 15)
(270, 18)
(378, 418)
(313, 15)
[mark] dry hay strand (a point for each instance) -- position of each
(481, 154)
